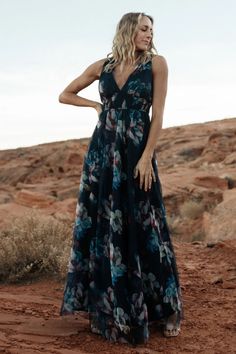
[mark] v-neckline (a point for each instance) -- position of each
(122, 87)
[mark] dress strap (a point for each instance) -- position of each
(105, 63)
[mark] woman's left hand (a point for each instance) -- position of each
(146, 173)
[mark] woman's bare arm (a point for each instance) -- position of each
(144, 165)
(90, 74)
(160, 78)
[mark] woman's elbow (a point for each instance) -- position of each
(62, 98)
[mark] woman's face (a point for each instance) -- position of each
(144, 34)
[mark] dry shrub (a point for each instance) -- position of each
(34, 245)
(191, 209)
(191, 153)
(172, 222)
(198, 236)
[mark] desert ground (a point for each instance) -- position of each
(197, 169)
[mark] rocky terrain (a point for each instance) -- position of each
(197, 169)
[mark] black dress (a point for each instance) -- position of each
(122, 267)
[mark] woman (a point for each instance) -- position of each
(122, 267)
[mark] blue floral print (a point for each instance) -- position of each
(117, 267)
(122, 268)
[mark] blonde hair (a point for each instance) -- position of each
(123, 48)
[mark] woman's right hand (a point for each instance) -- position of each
(146, 173)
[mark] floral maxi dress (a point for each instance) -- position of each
(122, 268)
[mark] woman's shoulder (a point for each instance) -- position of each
(97, 67)
(159, 63)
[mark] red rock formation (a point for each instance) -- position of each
(196, 162)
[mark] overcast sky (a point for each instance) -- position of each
(46, 44)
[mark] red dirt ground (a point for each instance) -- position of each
(30, 321)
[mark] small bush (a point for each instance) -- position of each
(231, 182)
(198, 236)
(34, 245)
(172, 222)
(191, 209)
(191, 153)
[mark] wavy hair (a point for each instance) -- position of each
(123, 48)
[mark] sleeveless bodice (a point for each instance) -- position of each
(135, 94)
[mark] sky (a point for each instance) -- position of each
(46, 44)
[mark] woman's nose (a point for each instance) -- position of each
(149, 35)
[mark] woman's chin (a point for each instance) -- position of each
(141, 49)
